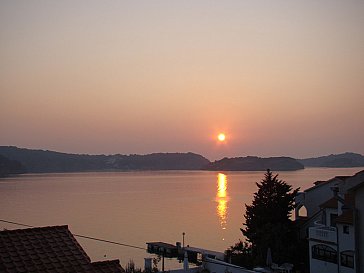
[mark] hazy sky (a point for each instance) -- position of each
(279, 77)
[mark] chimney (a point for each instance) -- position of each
(339, 198)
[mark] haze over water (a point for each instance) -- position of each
(105, 77)
(139, 207)
(271, 78)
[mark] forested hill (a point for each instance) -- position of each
(40, 161)
(9, 167)
(344, 160)
(253, 163)
(15, 160)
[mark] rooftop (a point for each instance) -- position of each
(161, 244)
(318, 184)
(331, 203)
(346, 217)
(47, 249)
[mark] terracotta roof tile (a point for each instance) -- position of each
(46, 249)
(112, 266)
(346, 217)
(349, 198)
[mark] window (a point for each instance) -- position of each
(347, 258)
(324, 253)
(333, 219)
(302, 211)
(346, 229)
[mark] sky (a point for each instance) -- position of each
(279, 78)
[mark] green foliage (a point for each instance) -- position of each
(131, 268)
(241, 254)
(39, 161)
(9, 167)
(267, 220)
(155, 263)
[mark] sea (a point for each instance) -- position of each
(133, 208)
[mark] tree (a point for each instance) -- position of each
(131, 268)
(240, 254)
(268, 223)
(155, 263)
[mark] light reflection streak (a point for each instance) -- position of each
(222, 200)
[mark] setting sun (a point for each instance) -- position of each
(221, 137)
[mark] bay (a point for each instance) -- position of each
(138, 207)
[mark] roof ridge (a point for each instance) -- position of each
(54, 247)
(37, 228)
(321, 183)
(107, 261)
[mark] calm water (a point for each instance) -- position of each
(139, 207)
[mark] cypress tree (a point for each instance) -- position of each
(268, 223)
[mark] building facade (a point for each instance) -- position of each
(333, 226)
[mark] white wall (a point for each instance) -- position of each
(318, 266)
(315, 197)
(359, 204)
(215, 266)
(344, 269)
(346, 241)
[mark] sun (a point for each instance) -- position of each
(221, 137)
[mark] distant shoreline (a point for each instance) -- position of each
(21, 160)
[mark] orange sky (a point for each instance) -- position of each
(280, 78)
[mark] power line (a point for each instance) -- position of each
(107, 241)
(15, 223)
(78, 235)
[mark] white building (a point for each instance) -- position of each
(334, 224)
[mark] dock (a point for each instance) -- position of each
(195, 254)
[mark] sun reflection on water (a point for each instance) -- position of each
(222, 200)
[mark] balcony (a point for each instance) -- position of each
(323, 233)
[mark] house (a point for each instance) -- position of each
(212, 265)
(164, 249)
(206, 260)
(334, 224)
(196, 255)
(217, 266)
(176, 251)
(48, 249)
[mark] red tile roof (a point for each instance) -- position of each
(47, 249)
(346, 217)
(108, 266)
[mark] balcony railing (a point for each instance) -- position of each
(323, 233)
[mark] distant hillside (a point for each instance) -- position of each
(8, 167)
(15, 160)
(40, 161)
(253, 163)
(344, 160)
(158, 161)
